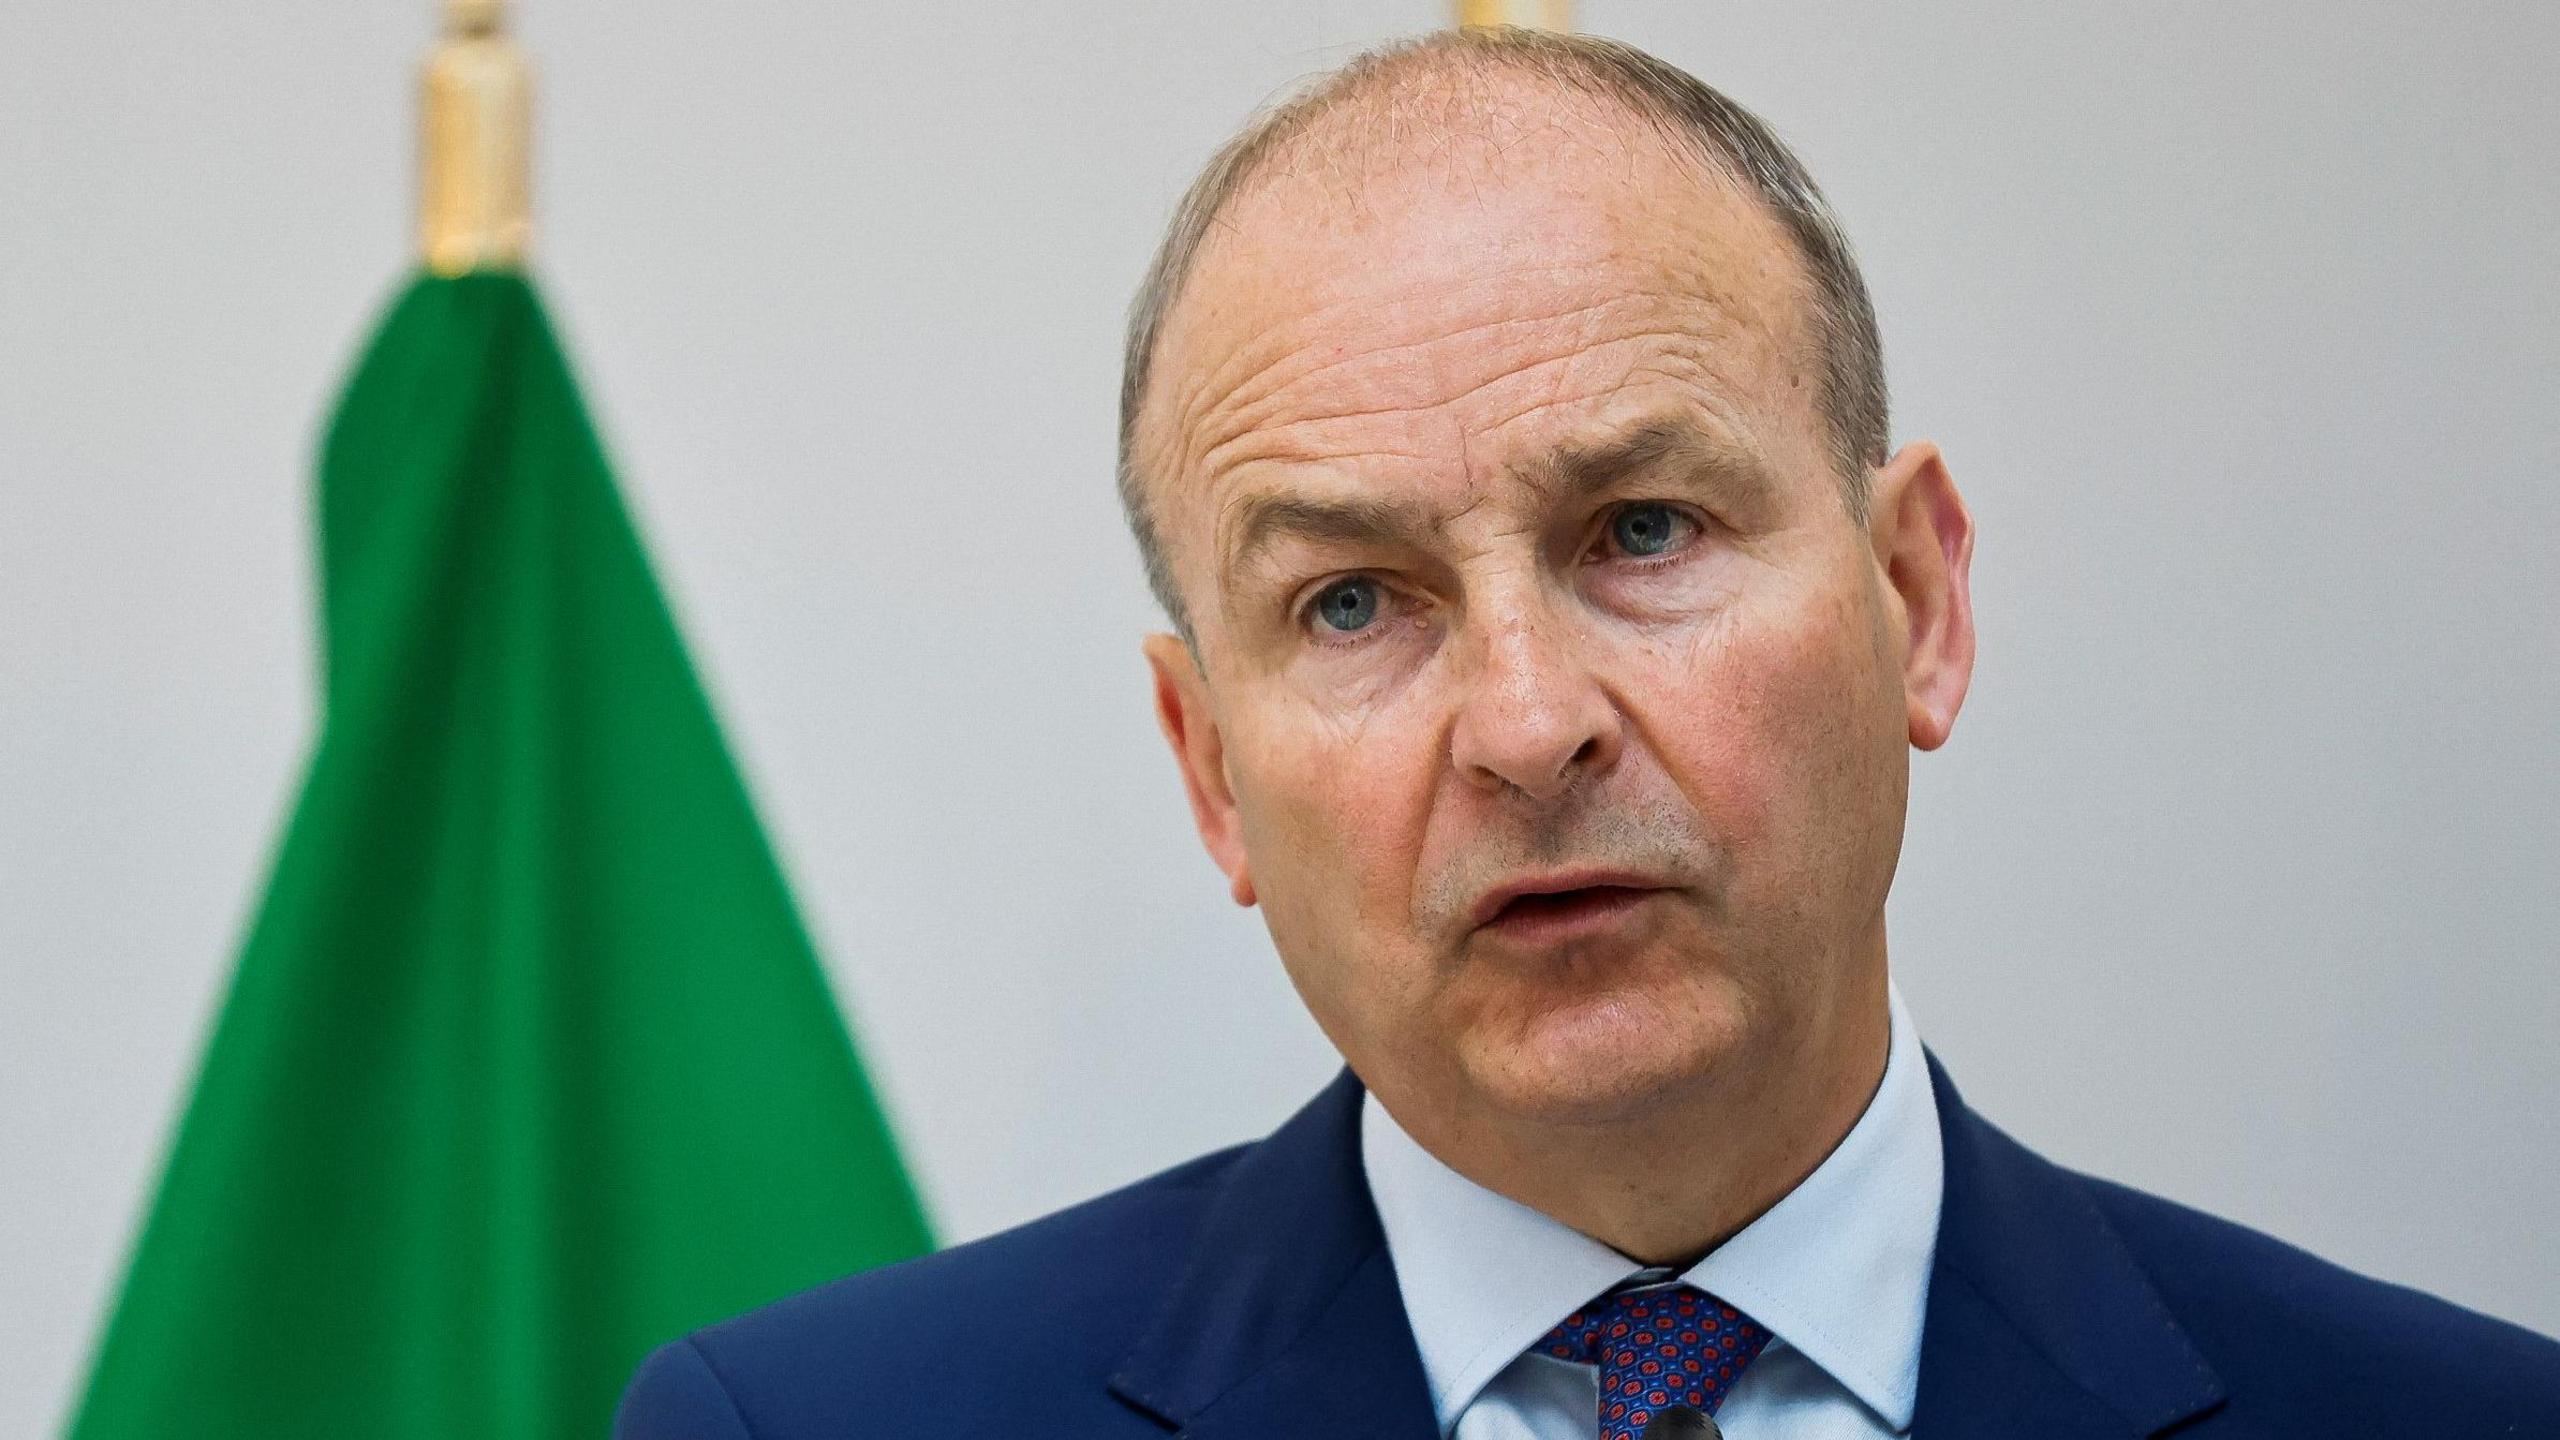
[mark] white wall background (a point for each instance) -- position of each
(2238, 322)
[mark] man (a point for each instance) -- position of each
(1505, 434)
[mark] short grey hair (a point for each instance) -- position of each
(1731, 141)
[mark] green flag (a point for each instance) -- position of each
(528, 1064)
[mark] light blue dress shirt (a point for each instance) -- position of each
(1838, 1270)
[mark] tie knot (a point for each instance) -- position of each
(1657, 1346)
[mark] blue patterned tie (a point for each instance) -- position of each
(1657, 1345)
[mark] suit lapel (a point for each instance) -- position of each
(2040, 1321)
(1286, 1320)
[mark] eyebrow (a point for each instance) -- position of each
(1573, 472)
(1265, 518)
(1578, 472)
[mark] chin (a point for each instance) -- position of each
(1605, 1058)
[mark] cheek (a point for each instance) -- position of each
(1333, 811)
(1772, 730)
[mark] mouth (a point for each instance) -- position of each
(1548, 912)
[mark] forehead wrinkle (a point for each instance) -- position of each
(1696, 363)
(1665, 368)
(1262, 201)
(1246, 406)
(1706, 300)
(1294, 340)
(1275, 451)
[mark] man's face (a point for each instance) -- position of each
(1551, 703)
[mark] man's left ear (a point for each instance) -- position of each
(1923, 539)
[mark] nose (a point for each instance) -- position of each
(1534, 718)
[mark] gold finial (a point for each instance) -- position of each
(475, 147)
(1536, 14)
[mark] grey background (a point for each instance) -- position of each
(2237, 322)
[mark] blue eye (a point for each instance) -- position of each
(1646, 528)
(1348, 605)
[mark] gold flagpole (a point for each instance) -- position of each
(1536, 14)
(475, 144)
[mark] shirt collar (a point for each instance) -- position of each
(1838, 1268)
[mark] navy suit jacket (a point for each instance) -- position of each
(1248, 1294)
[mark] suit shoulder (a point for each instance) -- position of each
(1081, 1259)
(1060, 1298)
(2274, 1318)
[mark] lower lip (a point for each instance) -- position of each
(1571, 915)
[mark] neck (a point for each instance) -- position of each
(1668, 1183)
